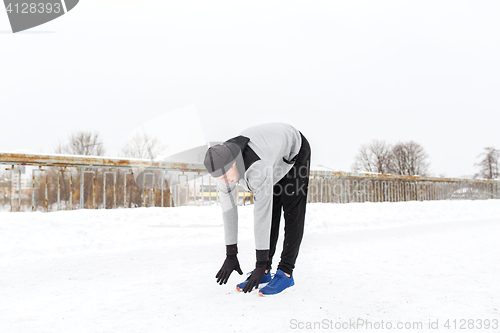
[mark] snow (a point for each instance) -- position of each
(153, 269)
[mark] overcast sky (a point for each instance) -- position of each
(342, 72)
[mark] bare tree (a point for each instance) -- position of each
(409, 159)
(82, 143)
(362, 161)
(488, 166)
(143, 146)
(374, 157)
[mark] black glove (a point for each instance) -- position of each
(230, 264)
(258, 272)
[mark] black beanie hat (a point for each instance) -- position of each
(220, 158)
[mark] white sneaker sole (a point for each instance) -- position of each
(261, 285)
(287, 290)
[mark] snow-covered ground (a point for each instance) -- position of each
(153, 270)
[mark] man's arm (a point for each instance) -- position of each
(263, 201)
(229, 204)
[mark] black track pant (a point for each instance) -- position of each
(290, 193)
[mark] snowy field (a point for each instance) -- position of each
(153, 270)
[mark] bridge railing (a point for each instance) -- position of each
(344, 187)
(35, 182)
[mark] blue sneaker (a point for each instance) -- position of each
(279, 283)
(265, 279)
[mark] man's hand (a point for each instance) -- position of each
(230, 264)
(254, 278)
(258, 272)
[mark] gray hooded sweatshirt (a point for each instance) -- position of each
(276, 145)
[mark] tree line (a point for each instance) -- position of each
(411, 159)
(90, 143)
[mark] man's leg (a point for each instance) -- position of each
(294, 199)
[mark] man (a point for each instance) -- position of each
(272, 161)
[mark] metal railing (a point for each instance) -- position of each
(345, 187)
(66, 182)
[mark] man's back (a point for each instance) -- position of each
(274, 142)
